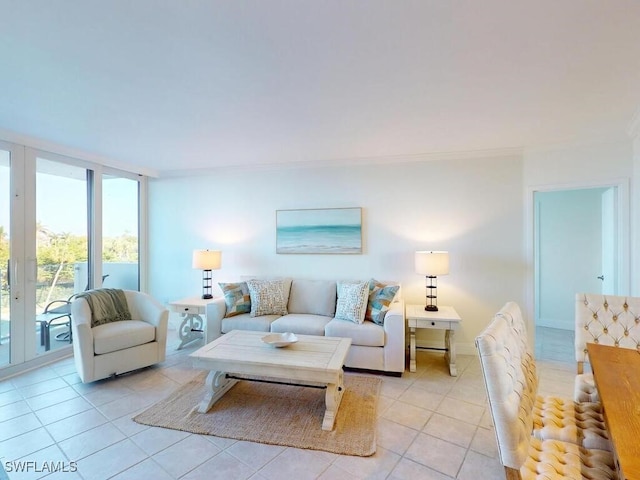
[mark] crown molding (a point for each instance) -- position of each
(52, 147)
(354, 161)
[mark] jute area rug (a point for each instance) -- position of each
(276, 414)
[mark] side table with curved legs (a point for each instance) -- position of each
(193, 326)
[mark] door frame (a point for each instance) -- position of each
(624, 232)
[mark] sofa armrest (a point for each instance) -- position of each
(216, 311)
(394, 346)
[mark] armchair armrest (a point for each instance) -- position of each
(82, 338)
(147, 308)
(150, 310)
(216, 311)
(394, 346)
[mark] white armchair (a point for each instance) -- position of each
(119, 347)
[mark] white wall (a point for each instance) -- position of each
(471, 207)
(578, 164)
(558, 167)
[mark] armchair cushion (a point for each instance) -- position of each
(111, 337)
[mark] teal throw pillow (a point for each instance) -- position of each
(236, 298)
(380, 299)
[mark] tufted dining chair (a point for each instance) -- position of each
(511, 384)
(555, 418)
(607, 320)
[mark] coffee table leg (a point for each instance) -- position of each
(217, 385)
(333, 397)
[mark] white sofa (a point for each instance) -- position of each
(311, 309)
(119, 347)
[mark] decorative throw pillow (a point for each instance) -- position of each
(380, 297)
(352, 301)
(236, 298)
(268, 297)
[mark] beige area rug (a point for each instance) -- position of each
(277, 414)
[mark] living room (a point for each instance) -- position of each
(342, 110)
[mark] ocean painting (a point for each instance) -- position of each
(325, 230)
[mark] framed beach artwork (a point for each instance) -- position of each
(321, 230)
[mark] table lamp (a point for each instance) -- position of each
(207, 260)
(432, 264)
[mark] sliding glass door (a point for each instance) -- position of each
(66, 225)
(62, 248)
(5, 255)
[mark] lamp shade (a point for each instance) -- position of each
(432, 263)
(207, 259)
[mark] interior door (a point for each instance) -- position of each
(576, 238)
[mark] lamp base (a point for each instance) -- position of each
(207, 296)
(431, 308)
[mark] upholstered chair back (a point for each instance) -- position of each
(607, 320)
(511, 386)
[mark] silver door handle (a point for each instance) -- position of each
(601, 277)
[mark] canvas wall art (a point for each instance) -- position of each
(322, 230)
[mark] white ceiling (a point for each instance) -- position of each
(181, 84)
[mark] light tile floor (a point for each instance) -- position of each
(431, 426)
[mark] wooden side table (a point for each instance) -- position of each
(446, 318)
(194, 325)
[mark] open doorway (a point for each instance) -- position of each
(577, 249)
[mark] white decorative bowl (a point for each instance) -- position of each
(280, 339)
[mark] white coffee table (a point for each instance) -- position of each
(311, 361)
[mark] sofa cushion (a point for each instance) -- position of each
(268, 297)
(247, 322)
(352, 301)
(236, 298)
(367, 334)
(301, 323)
(380, 298)
(114, 336)
(317, 297)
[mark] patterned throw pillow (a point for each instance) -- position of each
(236, 298)
(268, 297)
(380, 297)
(352, 301)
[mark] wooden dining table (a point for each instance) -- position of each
(617, 375)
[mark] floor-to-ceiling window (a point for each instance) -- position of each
(66, 225)
(120, 231)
